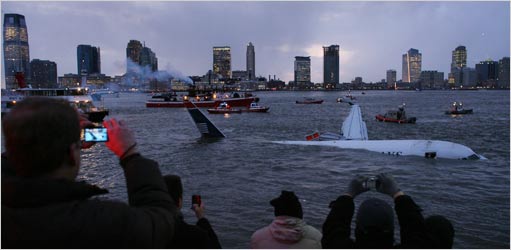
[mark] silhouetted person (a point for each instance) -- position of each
(288, 230)
(200, 235)
(43, 206)
(440, 230)
(375, 223)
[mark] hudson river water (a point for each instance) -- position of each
(239, 175)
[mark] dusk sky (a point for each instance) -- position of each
(372, 36)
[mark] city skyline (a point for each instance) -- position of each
(372, 35)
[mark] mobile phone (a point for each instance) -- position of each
(196, 199)
(95, 135)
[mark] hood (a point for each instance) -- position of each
(287, 229)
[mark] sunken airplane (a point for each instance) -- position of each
(354, 136)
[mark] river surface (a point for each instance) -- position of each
(239, 175)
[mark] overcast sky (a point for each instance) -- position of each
(372, 35)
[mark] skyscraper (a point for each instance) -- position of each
(16, 49)
(302, 71)
(44, 74)
(88, 59)
(140, 55)
(331, 64)
(487, 72)
(133, 51)
(412, 66)
(251, 62)
(503, 81)
(222, 61)
(459, 62)
(148, 58)
(391, 78)
(459, 58)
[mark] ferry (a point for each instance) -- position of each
(77, 97)
(170, 100)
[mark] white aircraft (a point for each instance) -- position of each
(354, 136)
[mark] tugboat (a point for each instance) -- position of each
(224, 108)
(457, 109)
(396, 116)
(254, 107)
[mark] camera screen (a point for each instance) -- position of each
(95, 135)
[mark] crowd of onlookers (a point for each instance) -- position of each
(44, 206)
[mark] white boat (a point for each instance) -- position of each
(77, 97)
(354, 136)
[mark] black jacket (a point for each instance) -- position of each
(337, 227)
(49, 213)
(200, 236)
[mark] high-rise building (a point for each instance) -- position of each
(503, 80)
(487, 73)
(412, 66)
(431, 79)
(16, 49)
(458, 63)
(222, 61)
(302, 71)
(251, 73)
(459, 57)
(148, 58)
(391, 78)
(331, 64)
(133, 51)
(88, 59)
(469, 77)
(43, 74)
(139, 55)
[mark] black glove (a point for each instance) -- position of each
(387, 185)
(356, 186)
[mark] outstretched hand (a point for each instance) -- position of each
(199, 210)
(121, 140)
(387, 185)
(356, 186)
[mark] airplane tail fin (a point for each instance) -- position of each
(353, 127)
(205, 126)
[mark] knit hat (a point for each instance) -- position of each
(375, 224)
(441, 231)
(287, 204)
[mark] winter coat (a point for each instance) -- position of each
(199, 236)
(58, 213)
(286, 232)
(337, 227)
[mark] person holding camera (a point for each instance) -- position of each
(43, 206)
(288, 230)
(198, 236)
(375, 218)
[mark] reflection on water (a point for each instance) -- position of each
(239, 175)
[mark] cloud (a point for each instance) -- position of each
(284, 48)
(314, 50)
